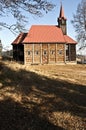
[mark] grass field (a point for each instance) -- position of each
(42, 97)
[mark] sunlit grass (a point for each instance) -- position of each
(54, 95)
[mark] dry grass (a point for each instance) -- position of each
(44, 97)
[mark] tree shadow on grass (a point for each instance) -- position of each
(13, 116)
(40, 96)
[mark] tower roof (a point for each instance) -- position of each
(61, 15)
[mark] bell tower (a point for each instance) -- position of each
(62, 21)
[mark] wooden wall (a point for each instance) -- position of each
(44, 53)
(28, 53)
(72, 52)
(18, 52)
(37, 53)
(60, 52)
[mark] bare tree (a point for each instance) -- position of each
(79, 23)
(20, 10)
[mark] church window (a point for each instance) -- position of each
(52, 52)
(45, 52)
(60, 52)
(29, 52)
(36, 52)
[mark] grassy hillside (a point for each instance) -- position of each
(44, 97)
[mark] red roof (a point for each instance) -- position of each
(44, 34)
(47, 34)
(69, 40)
(19, 38)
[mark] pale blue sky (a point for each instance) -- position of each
(50, 18)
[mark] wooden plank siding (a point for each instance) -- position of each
(18, 52)
(60, 53)
(37, 53)
(44, 53)
(52, 53)
(72, 52)
(28, 53)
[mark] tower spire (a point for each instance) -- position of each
(62, 20)
(61, 15)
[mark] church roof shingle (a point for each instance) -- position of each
(19, 38)
(47, 34)
(44, 34)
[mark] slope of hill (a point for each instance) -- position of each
(44, 97)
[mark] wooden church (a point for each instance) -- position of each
(45, 44)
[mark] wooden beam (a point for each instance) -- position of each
(24, 55)
(65, 53)
(41, 53)
(56, 53)
(48, 53)
(33, 53)
(69, 52)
